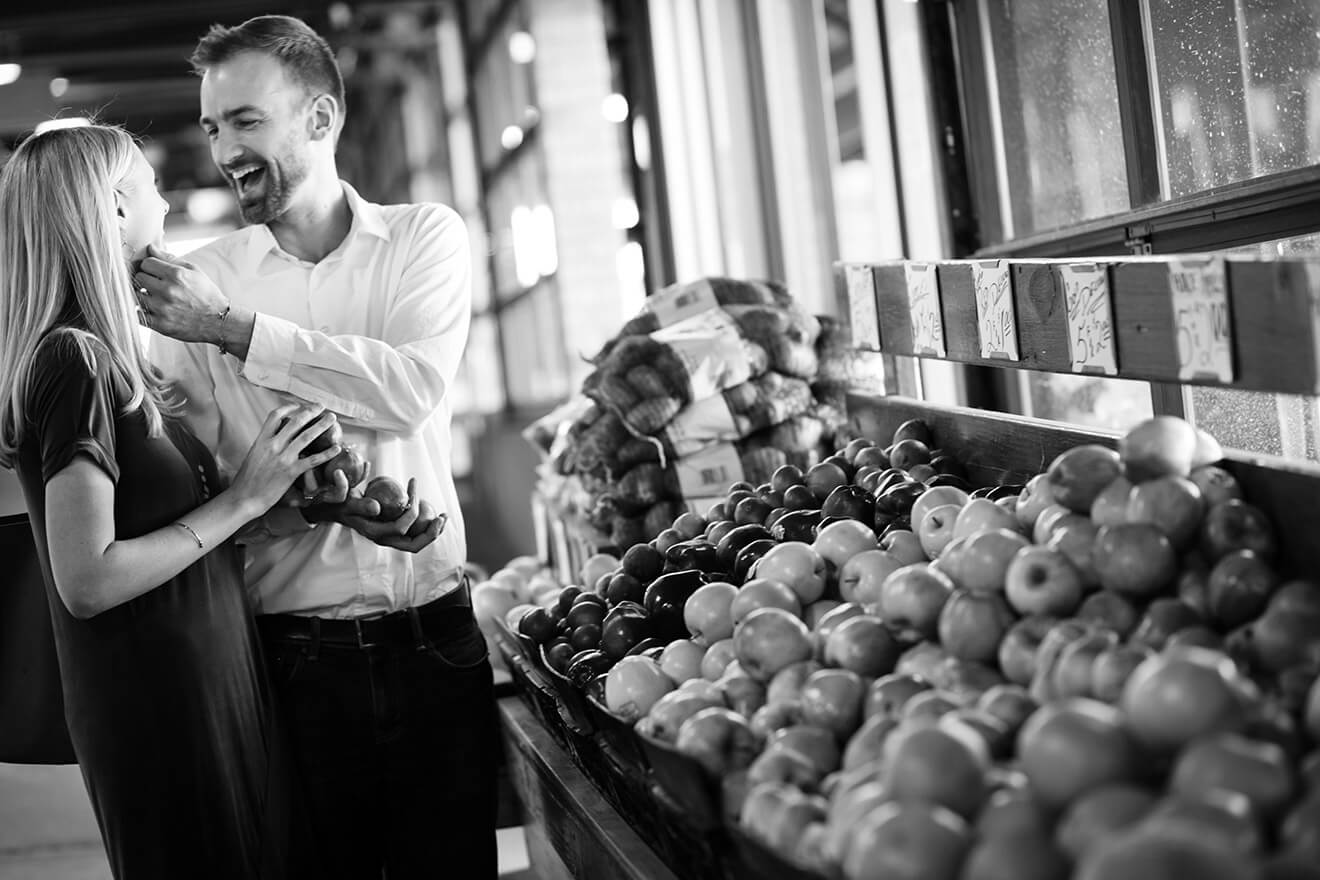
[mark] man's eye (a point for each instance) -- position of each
(247, 123)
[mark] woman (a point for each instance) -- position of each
(165, 699)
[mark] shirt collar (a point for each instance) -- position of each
(367, 220)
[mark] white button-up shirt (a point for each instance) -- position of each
(375, 332)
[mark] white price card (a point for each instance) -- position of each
(923, 289)
(996, 317)
(1198, 288)
(1090, 318)
(709, 472)
(862, 310)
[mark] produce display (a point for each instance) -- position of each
(715, 382)
(883, 671)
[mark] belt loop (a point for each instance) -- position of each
(357, 633)
(315, 648)
(419, 637)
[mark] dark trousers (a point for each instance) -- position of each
(395, 747)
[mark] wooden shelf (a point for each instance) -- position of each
(1273, 306)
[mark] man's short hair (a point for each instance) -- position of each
(302, 51)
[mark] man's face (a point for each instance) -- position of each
(256, 117)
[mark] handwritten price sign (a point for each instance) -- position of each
(1090, 318)
(862, 309)
(1201, 320)
(923, 290)
(996, 319)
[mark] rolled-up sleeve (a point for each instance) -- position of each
(396, 382)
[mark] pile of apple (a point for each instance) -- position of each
(1102, 674)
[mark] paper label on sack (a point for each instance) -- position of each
(1090, 318)
(700, 424)
(678, 303)
(709, 472)
(1198, 289)
(996, 316)
(923, 289)
(863, 314)
(711, 350)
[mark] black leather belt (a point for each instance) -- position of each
(406, 628)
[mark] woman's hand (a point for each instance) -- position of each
(275, 460)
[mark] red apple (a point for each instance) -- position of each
(798, 566)
(769, 639)
(1171, 504)
(776, 716)
(1012, 704)
(1072, 674)
(633, 685)
(971, 625)
(935, 531)
(783, 766)
(904, 546)
(681, 660)
(982, 513)
(936, 496)
(1164, 617)
(1111, 610)
(719, 739)
(706, 613)
(1235, 525)
(1100, 813)
(937, 765)
(1080, 474)
(912, 597)
(862, 575)
(1045, 522)
(717, 658)
(1036, 495)
(907, 841)
(843, 539)
(1074, 536)
(926, 708)
(1017, 650)
(863, 645)
(866, 746)
(1112, 668)
(813, 613)
(742, 693)
(1041, 580)
(986, 556)
(1135, 559)
(1160, 446)
(763, 593)
(1110, 507)
(1072, 746)
(1230, 762)
(828, 623)
(824, 477)
(1216, 484)
(832, 699)
(670, 711)
(786, 685)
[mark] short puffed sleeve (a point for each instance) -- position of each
(71, 407)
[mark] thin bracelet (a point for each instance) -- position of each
(221, 344)
(189, 529)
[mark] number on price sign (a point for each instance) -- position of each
(996, 319)
(1090, 318)
(1199, 292)
(862, 310)
(923, 290)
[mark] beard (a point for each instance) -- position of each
(266, 194)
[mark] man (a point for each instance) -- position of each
(364, 308)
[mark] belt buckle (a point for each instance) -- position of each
(362, 640)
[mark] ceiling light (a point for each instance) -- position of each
(522, 47)
(9, 73)
(58, 86)
(614, 108)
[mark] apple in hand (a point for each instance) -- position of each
(719, 739)
(769, 639)
(863, 645)
(1041, 580)
(971, 625)
(1081, 473)
(862, 575)
(796, 565)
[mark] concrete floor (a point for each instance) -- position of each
(47, 831)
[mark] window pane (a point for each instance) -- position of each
(1112, 404)
(1060, 144)
(1238, 86)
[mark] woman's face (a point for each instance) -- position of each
(141, 208)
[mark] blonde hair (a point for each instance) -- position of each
(63, 269)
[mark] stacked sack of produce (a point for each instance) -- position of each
(713, 383)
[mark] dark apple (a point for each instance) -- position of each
(1236, 525)
(1239, 587)
(849, 501)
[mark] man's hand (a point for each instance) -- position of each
(359, 514)
(179, 300)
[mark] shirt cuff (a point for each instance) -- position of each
(270, 353)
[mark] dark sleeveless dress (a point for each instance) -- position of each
(166, 698)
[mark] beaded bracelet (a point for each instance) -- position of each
(189, 529)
